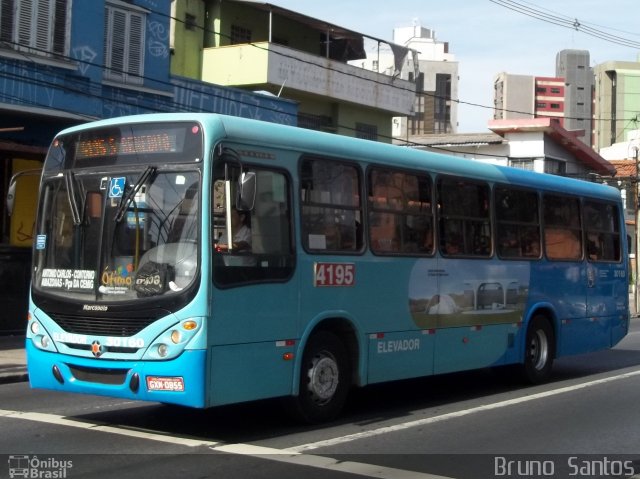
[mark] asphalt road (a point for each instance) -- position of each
(467, 425)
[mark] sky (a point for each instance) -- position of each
(488, 37)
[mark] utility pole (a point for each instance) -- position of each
(636, 203)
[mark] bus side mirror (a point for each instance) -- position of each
(246, 191)
(11, 192)
(11, 196)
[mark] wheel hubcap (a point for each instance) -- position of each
(539, 350)
(323, 378)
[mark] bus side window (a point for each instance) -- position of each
(464, 218)
(518, 223)
(602, 226)
(562, 227)
(400, 212)
(331, 206)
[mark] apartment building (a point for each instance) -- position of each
(262, 47)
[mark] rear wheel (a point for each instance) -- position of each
(539, 351)
(324, 379)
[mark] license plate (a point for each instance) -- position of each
(159, 383)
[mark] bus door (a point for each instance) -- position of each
(254, 305)
(606, 277)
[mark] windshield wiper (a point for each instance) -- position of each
(131, 193)
(70, 184)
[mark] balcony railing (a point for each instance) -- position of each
(259, 64)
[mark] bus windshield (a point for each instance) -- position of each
(118, 237)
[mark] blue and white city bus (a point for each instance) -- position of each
(350, 263)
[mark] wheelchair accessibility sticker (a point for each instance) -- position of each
(117, 187)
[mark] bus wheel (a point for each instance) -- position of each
(539, 351)
(324, 379)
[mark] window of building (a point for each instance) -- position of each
(124, 33)
(331, 206)
(541, 89)
(555, 90)
(366, 131)
(190, 22)
(464, 219)
(522, 163)
(602, 226)
(240, 35)
(400, 212)
(442, 104)
(38, 27)
(315, 122)
(562, 227)
(541, 105)
(555, 106)
(555, 167)
(518, 223)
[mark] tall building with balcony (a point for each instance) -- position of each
(261, 47)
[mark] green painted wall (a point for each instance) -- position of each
(186, 55)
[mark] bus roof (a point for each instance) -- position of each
(339, 146)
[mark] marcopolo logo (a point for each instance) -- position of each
(94, 307)
(38, 468)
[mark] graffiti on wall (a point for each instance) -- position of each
(158, 39)
(37, 85)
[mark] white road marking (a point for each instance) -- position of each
(63, 421)
(456, 414)
(267, 453)
(321, 462)
(295, 455)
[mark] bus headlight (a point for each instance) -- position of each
(175, 336)
(163, 349)
(44, 342)
(35, 327)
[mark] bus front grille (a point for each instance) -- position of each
(100, 376)
(102, 326)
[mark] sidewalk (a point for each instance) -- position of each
(13, 362)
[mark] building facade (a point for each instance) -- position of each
(513, 96)
(66, 62)
(537, 144)
(434, 70)
(261, 47)
(616, 102)
(574, 67)
(524, 97)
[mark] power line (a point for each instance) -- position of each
(175, 106)
(566, 22)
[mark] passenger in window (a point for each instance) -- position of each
(531, 247)
(240, 225)
(594, 247)
(453, 245)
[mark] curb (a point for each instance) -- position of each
(10, 378)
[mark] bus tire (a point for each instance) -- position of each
(324, 379)
(539, 351)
